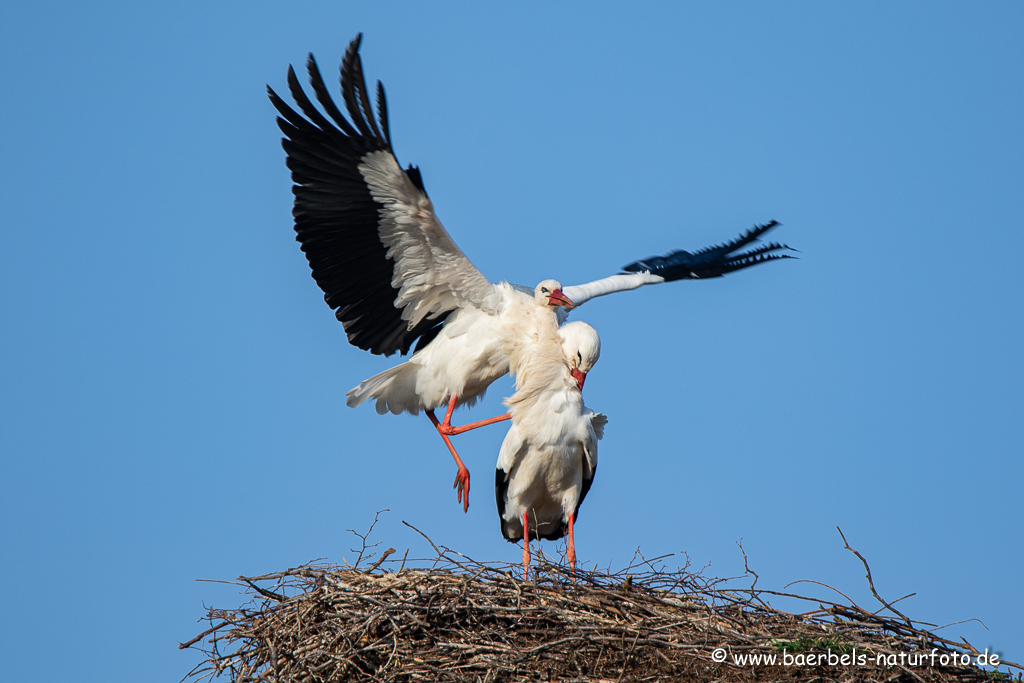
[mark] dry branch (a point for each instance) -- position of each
(449, 618)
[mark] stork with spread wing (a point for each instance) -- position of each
(394, 276)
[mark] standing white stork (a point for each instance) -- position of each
(396, 278)
(547, 461)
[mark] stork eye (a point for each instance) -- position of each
(579, 358)
(544, 290)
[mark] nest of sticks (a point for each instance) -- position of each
(450, 618)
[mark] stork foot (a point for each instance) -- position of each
(462, 476)
(462, 485)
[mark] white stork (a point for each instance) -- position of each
(549, 456)
(396, 278)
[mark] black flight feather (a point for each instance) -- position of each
(713, 261)
(336, 218)
(382, 113)
(500, 489)
(316, 80)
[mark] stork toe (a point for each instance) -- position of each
(462, 484)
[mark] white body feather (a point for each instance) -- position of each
(551, 447)
(463, 360)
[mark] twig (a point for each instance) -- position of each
(387, 553)
(824, 585)
(628, 655)
(263, 591)
(439, 553)
(871, 583)
(362, 537)
(190, 643)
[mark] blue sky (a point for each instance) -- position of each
(173, 404)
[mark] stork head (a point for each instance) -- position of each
(549, 293)
(581, 347)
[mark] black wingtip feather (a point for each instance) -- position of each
(382, 113)
(353, 89)
(713, 261)
(316, 80)
(336, 217)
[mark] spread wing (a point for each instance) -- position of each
(385, 263)
(706, 263)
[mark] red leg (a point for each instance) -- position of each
(570, 551)
(462, 476)
(526, 545)
(446, 426)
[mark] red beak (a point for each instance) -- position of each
(579, 376)
(559, 299)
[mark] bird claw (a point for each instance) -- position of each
(462, 484)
